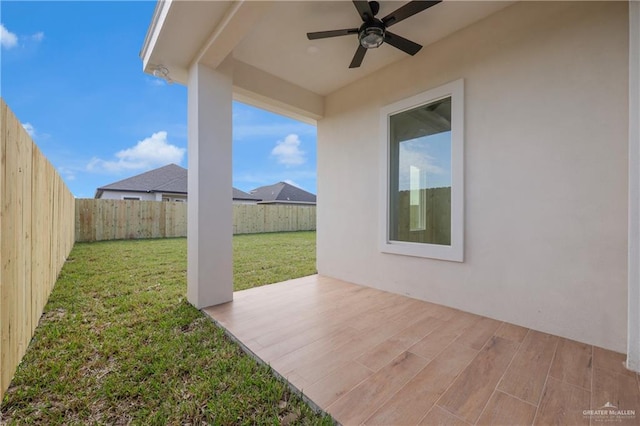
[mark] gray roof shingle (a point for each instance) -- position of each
(283, 192)
(241, 195)
(170, 178)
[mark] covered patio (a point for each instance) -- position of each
(367, 356)
(496, 171)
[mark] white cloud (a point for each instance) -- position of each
(39, 36)
(155, 82)
(259, 178)
(148, 153)
(288, 151)
(414, 153)
(420, 160)
(7, 38)
(35, 134)
(30, 129)
(67, 173)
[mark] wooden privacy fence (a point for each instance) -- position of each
(436, 217)
(36, 233)
(99, 220)
(256, 218)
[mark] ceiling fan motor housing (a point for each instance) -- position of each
(371, 34)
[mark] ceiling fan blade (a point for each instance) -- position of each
(333, 33)
(364, 10)
(358, 57)
(407, 11)
(402, 43)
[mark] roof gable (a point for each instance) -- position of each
(170, 178)
(241, 195)
(283, 192)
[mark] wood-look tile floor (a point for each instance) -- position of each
(371, 357)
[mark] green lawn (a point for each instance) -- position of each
(260, 259)
(118, 342)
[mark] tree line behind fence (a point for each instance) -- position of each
(99, 220)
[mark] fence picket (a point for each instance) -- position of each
(37, 229)
(99, 220)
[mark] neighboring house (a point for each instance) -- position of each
(241, 197)
(525, 115)
(168, 183)
(283, 193)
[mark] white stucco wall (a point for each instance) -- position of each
(546, 97)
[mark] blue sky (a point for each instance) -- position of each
(431, 155)
(70, 72)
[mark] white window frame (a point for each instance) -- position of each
(454, 252)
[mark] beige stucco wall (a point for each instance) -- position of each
(546, 119)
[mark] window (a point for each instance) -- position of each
(422, 200)
(131, 198)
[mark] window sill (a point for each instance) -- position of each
(430, 251)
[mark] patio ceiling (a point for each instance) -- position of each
(268, 39)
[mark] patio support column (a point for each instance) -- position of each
(633, 294)
(210, 214)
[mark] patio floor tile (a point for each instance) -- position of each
(417, 397)
(440, 417)
(562, 404)
(527, 373)
(356, 405)
(515, 333)
(573, 363)
(472, 389)
(371, 357)
(331, 387)
(504, 409)
(477, 334)
(382, 354)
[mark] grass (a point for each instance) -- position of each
(118, 343)
(260, 259)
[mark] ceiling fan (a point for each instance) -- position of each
(373, 32)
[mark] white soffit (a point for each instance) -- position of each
(278, 44)
(271, 37)
(177, 33)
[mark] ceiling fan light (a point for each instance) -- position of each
(371, 37)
